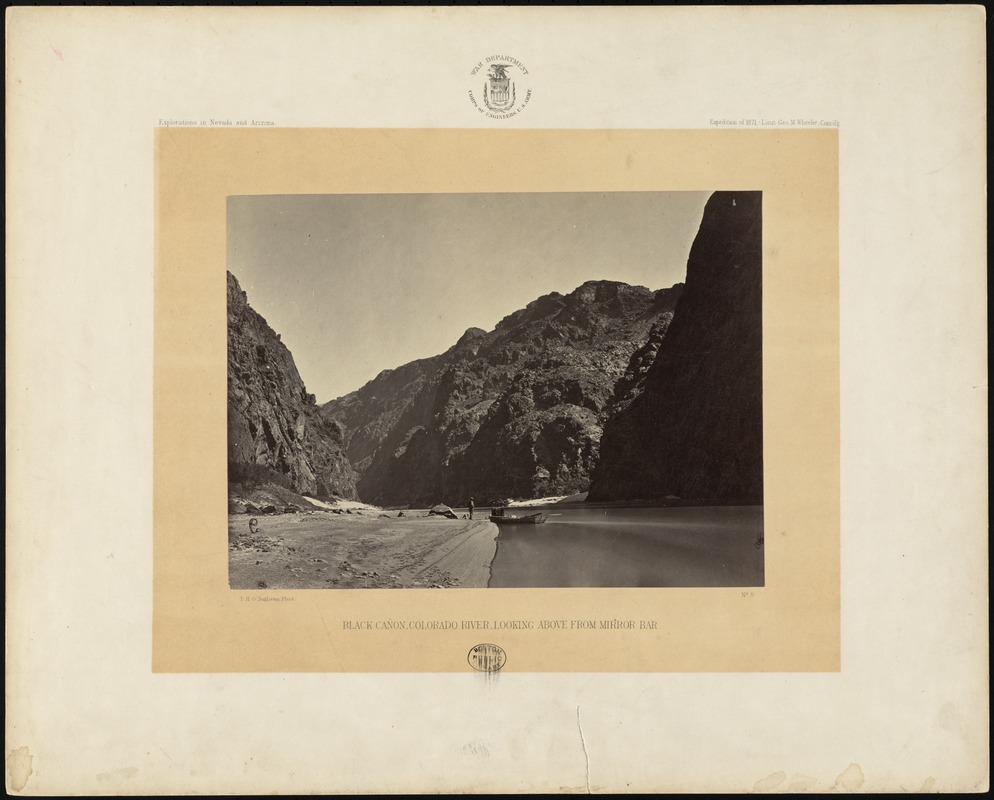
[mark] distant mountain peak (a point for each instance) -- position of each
(471, 335)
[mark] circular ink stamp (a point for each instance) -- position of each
(487, 657)
(499, 86)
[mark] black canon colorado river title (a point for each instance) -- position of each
(497, 625)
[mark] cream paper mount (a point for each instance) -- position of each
(908, 708)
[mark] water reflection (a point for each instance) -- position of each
(713, 546)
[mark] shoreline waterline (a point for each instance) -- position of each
(588, 545)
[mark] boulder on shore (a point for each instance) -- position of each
(442, 510)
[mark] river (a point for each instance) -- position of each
(632, 546)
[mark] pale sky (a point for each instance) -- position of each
(356, 284)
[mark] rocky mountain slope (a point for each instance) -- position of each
(516, 412)
(696, 429)
(276, 433)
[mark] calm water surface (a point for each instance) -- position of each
(712, 546)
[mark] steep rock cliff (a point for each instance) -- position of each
(275, 430)
(696, 429)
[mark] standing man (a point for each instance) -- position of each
(471, 506)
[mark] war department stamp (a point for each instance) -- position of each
(500, 90)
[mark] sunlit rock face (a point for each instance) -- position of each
(276, 432)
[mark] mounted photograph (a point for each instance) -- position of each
(505, 390)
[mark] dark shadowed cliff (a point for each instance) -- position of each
(275, 431)
(696, 429)
(516, 412)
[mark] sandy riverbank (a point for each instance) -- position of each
(325, 551)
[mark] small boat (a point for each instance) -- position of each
(531, 519)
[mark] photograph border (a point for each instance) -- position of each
(790, 624)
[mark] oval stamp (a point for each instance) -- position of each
(487, 657)
(499, 87)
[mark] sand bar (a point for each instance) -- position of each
(359, 551)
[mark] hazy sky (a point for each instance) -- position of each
(356, 284)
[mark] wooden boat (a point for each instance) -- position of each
(531, 519)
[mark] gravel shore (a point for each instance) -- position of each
(359, 551)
